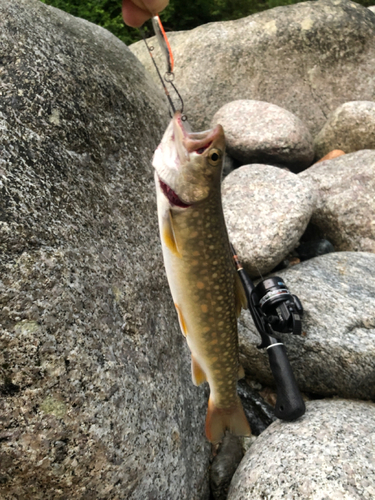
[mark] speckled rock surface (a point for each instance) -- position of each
(96, 394)
(336, 353)
(224, 465)
(327, 454)
(345, 209)
(351, 127)
(259, 132)
(266, 210)
(276, 56)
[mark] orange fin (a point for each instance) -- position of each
(218, 420)
(197, 374)
(241, 300)
(169, 236)
(181, 321)
(241, 372)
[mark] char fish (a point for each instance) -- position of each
(206, 290)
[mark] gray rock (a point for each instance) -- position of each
(351, 127)
(276, 56)
(345, 210)
(336, 353)
(224, 465)
(96, 394)
(328, 453)
(259, 132)
(266, 210)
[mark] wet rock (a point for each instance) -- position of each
(97, 400)
(351, 127)
(328, 453)
(224, 465)
(259, 132)
(276, 56)
(258, 412)
(266, 210)
(345, 209)
(309, 249)
(336, 353)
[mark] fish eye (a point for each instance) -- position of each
(214, 157)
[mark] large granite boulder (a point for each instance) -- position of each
(345, 208)
(307, 58)
(266, 210)
(327, 454)
(350, 128)
(335, 355)
(97, 400)
(259, 132)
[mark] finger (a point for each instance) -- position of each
(133, 15)
(136, 12)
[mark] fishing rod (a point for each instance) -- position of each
(272, 307)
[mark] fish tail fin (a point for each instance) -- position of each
(219, 420)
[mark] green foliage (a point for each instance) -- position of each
(105, 13)
(179, 15)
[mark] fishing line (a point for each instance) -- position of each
(169, 76)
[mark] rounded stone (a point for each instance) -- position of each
(328, 453)
(345, 208)
(266, 210)
(335, 355)
(350, 128)
(260, 132)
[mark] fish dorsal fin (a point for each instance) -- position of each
(169, 235)
(241, 300)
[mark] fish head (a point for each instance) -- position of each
(189, 164)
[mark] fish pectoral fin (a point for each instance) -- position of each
(181, 320)
(168, 234)
(218, 420)
(197, 374)
(241, 372)
(241, 300)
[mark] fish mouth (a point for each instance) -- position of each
(192, 142)
(171, 196)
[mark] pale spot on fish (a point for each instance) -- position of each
(200, 285)
(195, 253)
(204, 308)
(195, 214)
(194, 235)
(206, 329)
(213, 342)
(218, 309)
(214, 275)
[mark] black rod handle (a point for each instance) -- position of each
(289, 403)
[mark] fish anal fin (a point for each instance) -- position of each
(241, 300)
(181, 320)
(168, 235)
(218, 420)
(197, 374)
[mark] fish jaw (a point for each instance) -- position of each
(188, 164)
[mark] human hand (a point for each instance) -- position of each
(136, 12)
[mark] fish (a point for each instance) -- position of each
(207, 292)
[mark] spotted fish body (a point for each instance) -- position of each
(205, 287)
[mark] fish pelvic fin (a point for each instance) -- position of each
(197, 374)
(241, 300)
(218, 420)
(169, 236)
(181, 320)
